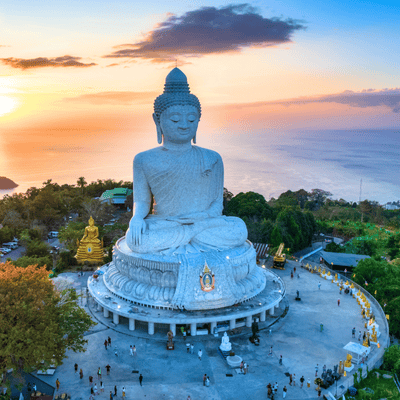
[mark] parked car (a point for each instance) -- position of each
(52, 234)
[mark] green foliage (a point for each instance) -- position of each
(249, 205)
(334, 248)
(37, 248)
(6, 234)
(65, 260)
(25, 261)
(37, 323)
(391, 359)
(70, 233)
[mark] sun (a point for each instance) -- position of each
(7, 105)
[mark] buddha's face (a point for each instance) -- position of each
(179, 124)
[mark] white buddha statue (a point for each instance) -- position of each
(184, 182)
(226, 345)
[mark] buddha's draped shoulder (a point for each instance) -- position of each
(181, 183)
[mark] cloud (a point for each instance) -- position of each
(366, 98)
(210, 30)
(116, 98)
(40, 62)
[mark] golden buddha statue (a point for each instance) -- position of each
(319, 269)
(347, 283)
(90, 248)
(329, 273)
(367, 314)
(323, 272)
(352, 285)
(347, 363)
(358, 293)
(365, 343)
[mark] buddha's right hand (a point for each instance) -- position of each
(137, 227)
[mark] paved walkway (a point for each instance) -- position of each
(177, 374)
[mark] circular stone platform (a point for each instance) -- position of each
(219, 319)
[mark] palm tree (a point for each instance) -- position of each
(81, 183)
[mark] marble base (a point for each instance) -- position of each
(173, 281)
(234, 361)
(348, 369)
(226, 348)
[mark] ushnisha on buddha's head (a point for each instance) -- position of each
(176, 112)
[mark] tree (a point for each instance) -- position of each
(37, 322)
(319, 196)
(100, 211)
(81, 183)
(250, 205)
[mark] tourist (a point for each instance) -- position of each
(111, 395)
(131, 351)
(99, 373)
(184, 335)
(134, 350)
(140, 379)
(76, 368)
(291, 274)
(284, 392)
(308, 383)
(319, 391)
(245, 367)
(276, 388)
(338, 302)
(91, 392)
(192, 348)
(280, 360)
(90, 380)
(290, 379)
(301, 381)
(204, 379)
(353, 332)
(108, 369)
(187, 347)
(207, 381)
(115, 391)
(57, 384)
(316, 370)
(80, 373)
(319, 285)
(200, 353)
(270, 351)
(241, 367)
(359, 336)
(105, 344)
(109, 341)
(123, 392)
(324, 369)
(95, 389)
(116, 352)
(101, 387)
(294, 379)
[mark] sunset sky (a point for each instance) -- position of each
(78, 80)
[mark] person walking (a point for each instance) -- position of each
(290, 379)
(111, 395)
(338, 302)
(192, 348)
(123, 392)
(242, 367)
(76, 368)
(108, 369)
(134, 350)
(200, 353)
(207, 381)
(80, 373)
(109, 341)
(95, 389)
(276, 388)
(319, 285)
(57, 384)
(353, 332)
(115, 391)
(319, 391)
(270, 351)
(245, 367)
(324, 369)
(280, 360)
(99, 373)
(204, 379)
(140, 379)
(294, 379)
(284, 392)
(90, 380)
(116, 352)
(131, 351)
(316, 370)
(301, 381)
(101, 387)
(359, 336)
(308, 383)
(187, 347)
(105, 344)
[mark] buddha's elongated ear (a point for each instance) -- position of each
(194, 139)
(158, 126)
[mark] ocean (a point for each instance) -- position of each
(261, 161)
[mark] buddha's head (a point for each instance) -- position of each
(91, 221)
(176, 111)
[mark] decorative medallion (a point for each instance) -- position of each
(89, 249)
(207, 279)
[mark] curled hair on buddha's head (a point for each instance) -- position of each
(176, 93)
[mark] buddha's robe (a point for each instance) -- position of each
(184, 185)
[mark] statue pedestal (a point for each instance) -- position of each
(173, 281)
(348, 369)
(225, 348)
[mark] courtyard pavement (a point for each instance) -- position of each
(294, 332)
